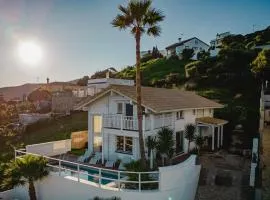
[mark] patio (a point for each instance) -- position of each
(226, 174)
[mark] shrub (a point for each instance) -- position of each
(187, 54)
(191, 72)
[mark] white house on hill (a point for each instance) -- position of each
(193, 43)
(113, 124)
(216, 43)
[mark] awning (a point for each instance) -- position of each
(211, 120)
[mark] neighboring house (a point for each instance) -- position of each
(216, 43)
(193, 43)
(62, 102)
(113, 124)
(79, 91)
(97, 85)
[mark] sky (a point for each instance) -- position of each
(77, 39)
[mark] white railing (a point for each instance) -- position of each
(124, 122)
(162, 120)
(100, 177)
(117, 121)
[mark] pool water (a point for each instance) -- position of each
(90, 171)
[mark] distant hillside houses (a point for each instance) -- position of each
(192, 43)
(216, 43)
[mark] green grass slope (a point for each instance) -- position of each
(155, 69)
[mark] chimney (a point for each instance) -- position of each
(48, 80)
(108, 74)
(179, 39)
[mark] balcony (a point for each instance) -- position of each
(151, 122)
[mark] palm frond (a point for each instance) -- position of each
(153, 17)
(154, 31)
(122, 21)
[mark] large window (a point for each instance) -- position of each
(124, 144)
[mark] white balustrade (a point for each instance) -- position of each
(131, 123)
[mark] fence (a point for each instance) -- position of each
(100, 177)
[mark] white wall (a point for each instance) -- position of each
(32, 118)
(177, 182)
(50, 148)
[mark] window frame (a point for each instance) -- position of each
(180, 115)
(122, 108)
(126, 146)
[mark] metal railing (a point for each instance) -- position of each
(100, 177)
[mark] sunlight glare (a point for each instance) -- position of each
(30, 52)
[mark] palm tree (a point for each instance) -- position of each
(199, 143)
(151, 145)
(139, 17)
(165, 143)
(189, 133)
(23, 170)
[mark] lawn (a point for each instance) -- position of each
(44, 131)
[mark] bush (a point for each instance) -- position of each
(191, 72)
(187, 54)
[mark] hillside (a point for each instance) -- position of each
(156, 70)
(18, 91)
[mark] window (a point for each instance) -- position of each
(97, 123)
(124, 144)
(180, 115)
(194, 112)
(119, 108)
(196, 41)
(186, 47)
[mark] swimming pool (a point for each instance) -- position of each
(89, 171)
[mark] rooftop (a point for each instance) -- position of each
(161, 99)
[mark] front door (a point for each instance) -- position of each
(179, 141)
(129, 109)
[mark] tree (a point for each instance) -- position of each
(187, 54)
(139, 17)
(203, 55)
(261, 64)
(165, 142)
(199, 143)
(25, 169)
(190, 133)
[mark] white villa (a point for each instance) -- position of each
(192, 43)
(113, 125)
(113, 131)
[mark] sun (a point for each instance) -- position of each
(30, 52)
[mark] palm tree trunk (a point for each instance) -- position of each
(188, 145)
(32, 191)
(139, 97)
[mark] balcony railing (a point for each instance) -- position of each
(131, 123)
